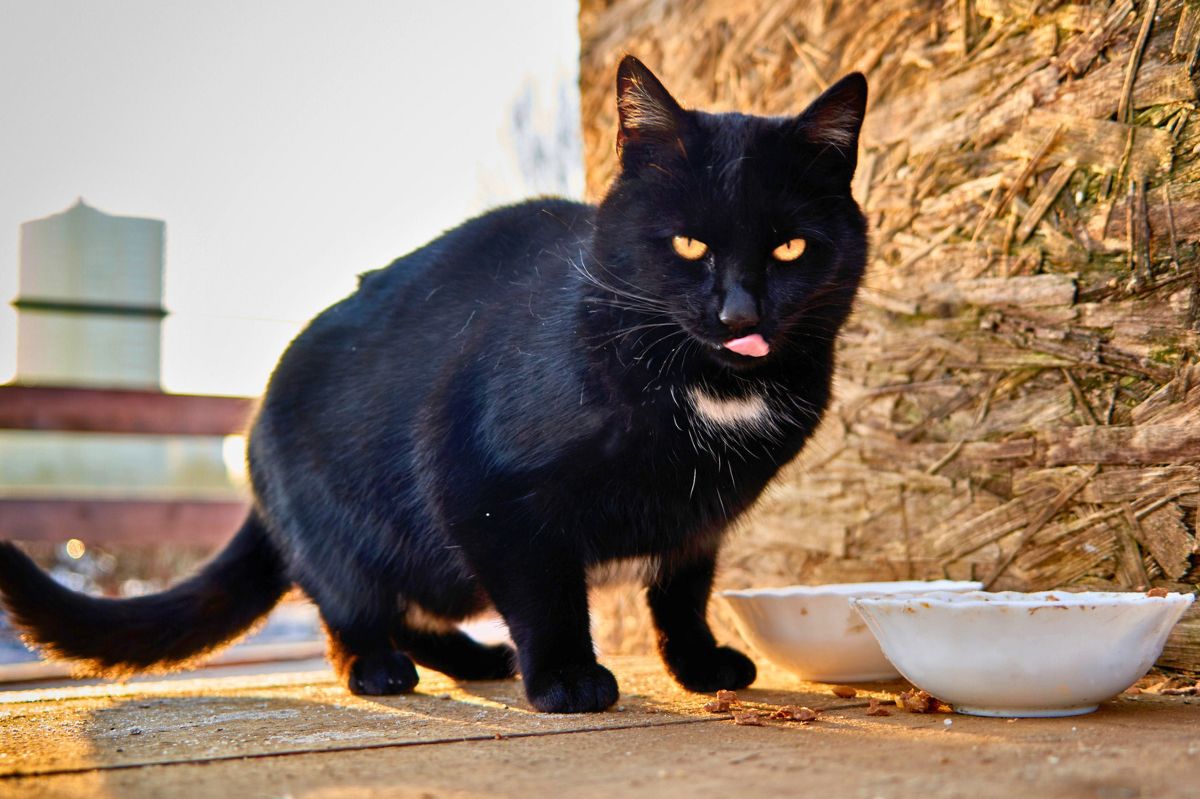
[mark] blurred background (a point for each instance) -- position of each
(286, 146)
(184, 186)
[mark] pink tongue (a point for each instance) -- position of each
(752, 345)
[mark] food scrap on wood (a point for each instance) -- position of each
(918, 701)
(724, 701)
(795, 713)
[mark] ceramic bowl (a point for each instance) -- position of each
(812, 631)
(1051, 653)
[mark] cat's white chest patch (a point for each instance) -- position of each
(738, 413)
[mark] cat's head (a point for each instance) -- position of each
(739, 228)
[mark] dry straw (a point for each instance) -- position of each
(1018, 392)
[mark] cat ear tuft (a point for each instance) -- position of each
(835, 118)
(645, 109)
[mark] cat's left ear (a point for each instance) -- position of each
(835, 118)
(646, 111)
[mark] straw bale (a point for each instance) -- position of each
(1018, 392)
(1098, 144)
(1120, 485)
(1187, 33)
(1147, 443)
(1183, 647)
(1166, 539)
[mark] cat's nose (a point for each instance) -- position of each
(739, 310)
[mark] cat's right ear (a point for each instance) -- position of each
(835, 119)
(646, 111)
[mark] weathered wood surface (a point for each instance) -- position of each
(1027, 337)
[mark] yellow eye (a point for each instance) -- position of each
(691, 249)
(789, 250)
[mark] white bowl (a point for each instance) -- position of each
(1051, 653)
(812, 631)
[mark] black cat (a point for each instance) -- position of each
(549, 387)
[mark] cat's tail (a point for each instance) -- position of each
(156, 632)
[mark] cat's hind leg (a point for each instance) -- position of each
(449, 650)
(362, 653)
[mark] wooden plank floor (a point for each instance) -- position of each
(301, 735)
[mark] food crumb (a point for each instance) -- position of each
(747, 719)
(724, 700)
(796, 713)
(1159, 592)
(844, 692)
(876, 708)
(918, 701)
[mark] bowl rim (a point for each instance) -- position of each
(1021, 599)
(851, 590)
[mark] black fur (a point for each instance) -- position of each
(492, 415)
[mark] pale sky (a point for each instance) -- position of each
(288, 146)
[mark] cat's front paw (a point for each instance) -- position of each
(708, 670)
(381, 675)
(573, 689)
